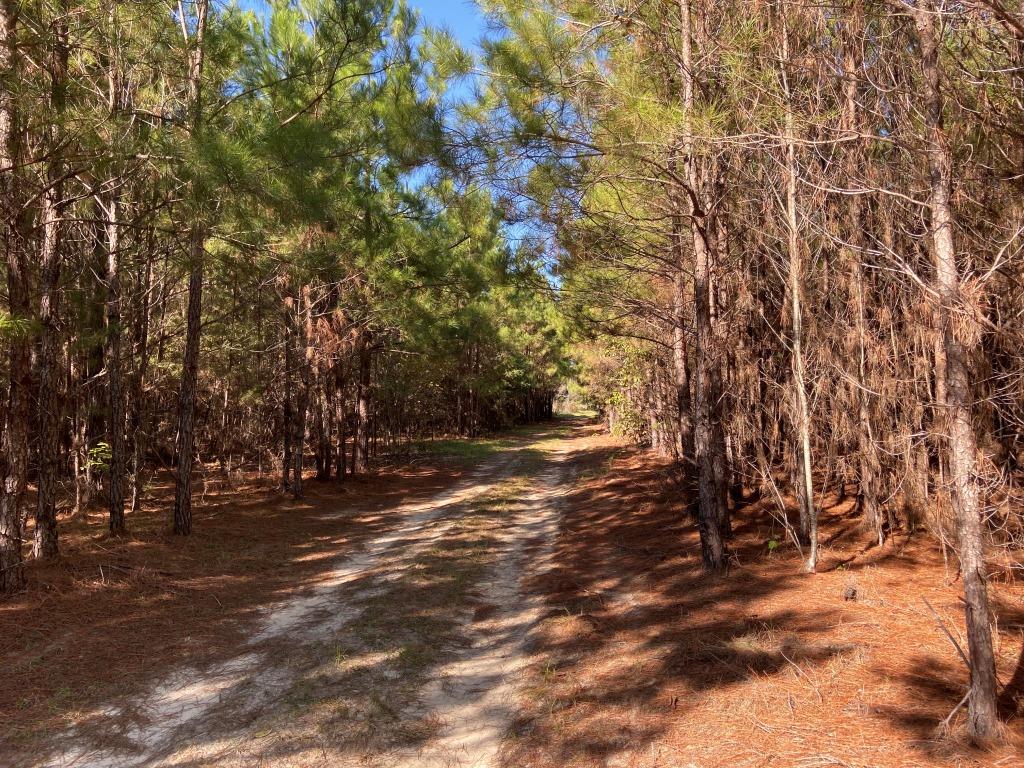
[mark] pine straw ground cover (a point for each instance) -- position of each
(643, 661)
(115, 614)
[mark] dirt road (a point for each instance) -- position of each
(546, 610)
(406, 652)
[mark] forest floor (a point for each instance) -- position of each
(532, 600)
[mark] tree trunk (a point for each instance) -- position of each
(361, 444)
(867, 451)
(287, 416)
(115, 383)
(958, 346)
(681, 364)
(708, 516)
(139, 418)
(868, 462)
(325, 424)
(717, 250)
(185, 444)
(341, 418)
(14, 457)
(808, 510)
(80, 438)
(50, 400)
(302, 309)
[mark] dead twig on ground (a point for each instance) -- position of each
(948, 634)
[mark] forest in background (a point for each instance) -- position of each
(777, 241)
(242, 239)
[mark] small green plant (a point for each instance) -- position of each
(774, 543)
(99, 456)
(341, 655)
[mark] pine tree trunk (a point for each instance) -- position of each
(325, 420)
(287, 416)
(302, 309)
(361, 444)
(341, 418)
(708, 517)
(708, 513)
(139, 418)
(80, 437)
(715, 239)
(185, 443)
(808, 510)
(14, 458)
(115, 382)
(958, 346)
(682, 367)
(50, 400)
(867, 451)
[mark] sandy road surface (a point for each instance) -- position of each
(261, 708)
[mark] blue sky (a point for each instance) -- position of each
(461, 17)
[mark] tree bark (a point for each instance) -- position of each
(139, 418)
(708, 513)
(303, 309)
(958, 346)
(808, 510)
(287, 416)
(115, 382)
(361, 444)
(14, 446)
(717, 249)
(679, 357)
(341, 419)
(184, 445)
(867, 450)
(50, 400)
(325, 427)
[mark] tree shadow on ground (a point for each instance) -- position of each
(643, 657)
(638, 651)
(935, 717)
(116, 616)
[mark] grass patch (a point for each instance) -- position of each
(464, 449)
(472, 450)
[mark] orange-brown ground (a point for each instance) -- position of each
(645, 661)
(115, 613)
(641, 660)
